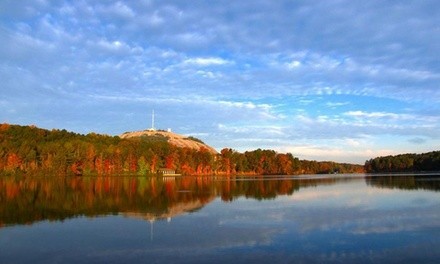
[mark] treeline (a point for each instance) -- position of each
(28, 149)
(405, 163)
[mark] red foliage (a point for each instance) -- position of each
(169, 161)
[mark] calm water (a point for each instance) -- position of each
(357, 219)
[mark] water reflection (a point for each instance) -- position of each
(26, 200)
(30, 199)
(406, 182)
(239, 220)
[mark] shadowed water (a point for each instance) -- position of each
(393, 219)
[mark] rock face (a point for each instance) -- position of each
(172, 138)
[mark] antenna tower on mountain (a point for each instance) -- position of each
(152, 122)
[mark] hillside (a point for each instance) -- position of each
(36, 151)
(170, 137)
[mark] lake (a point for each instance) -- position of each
(298, 219)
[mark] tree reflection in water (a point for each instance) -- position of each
(25, 200)
(429, 182)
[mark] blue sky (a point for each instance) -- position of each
(326, 80)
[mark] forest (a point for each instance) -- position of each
(32, 150)
(405, 163)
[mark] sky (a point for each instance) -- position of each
(336, 80)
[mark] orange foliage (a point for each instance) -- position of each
(4, 127)
(13, 162)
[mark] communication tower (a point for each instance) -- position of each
(152, 122)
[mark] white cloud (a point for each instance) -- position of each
(294, 64)
(382, 71)
(255, 131)
(206, 61)
(248, 106)
(336, 104)
(334, 151)
(209, 74)
(315, 152)
(362, 114)
(111, 45)
(353, 142)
